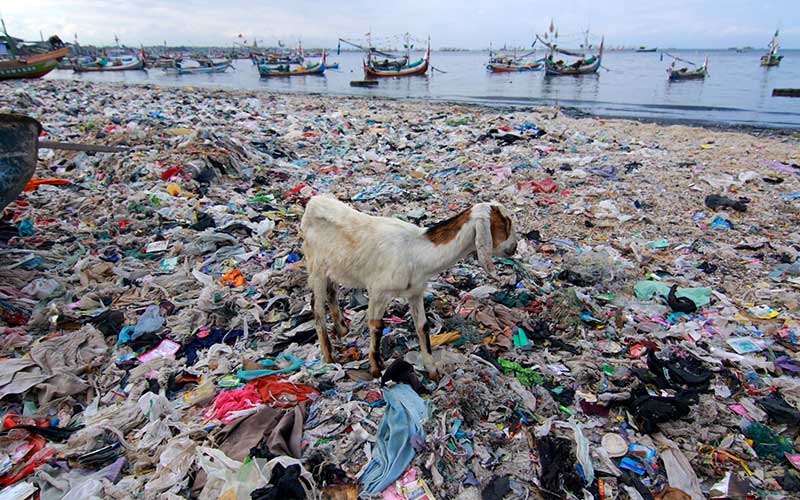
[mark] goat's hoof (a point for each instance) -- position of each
(375, 367)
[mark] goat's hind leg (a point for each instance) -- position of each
(336, 313)
(377, 306)
(319, 296)
(417, 306)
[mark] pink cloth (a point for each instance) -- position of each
(227, 405)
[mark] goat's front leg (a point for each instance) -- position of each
(417, 307)
(318, 296)
(377, 306)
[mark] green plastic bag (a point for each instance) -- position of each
(646, 290)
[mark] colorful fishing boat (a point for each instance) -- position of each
(267, 71)
(204, 67)
(699, 73)
(582, 66)
(772, 58)
(30, 65)
(374, 68)
(122, 62)
(499, 65)
(508, 63)
(333, 66)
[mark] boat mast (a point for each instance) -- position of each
(12, 47)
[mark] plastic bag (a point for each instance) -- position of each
(227, 478)
(174, 464)
(150, 321)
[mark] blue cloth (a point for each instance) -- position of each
(296, 364)
(393, 452)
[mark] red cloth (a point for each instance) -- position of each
(278, 391)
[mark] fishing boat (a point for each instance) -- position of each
(30, 65)
(699, 73)
(512, 66)
(203, 67)
(267, 71)
(645, 49)
(772, 58)
(380, 64)
(374, 68)
(121, 62)
(506, 63)
(582, 66)
(332, 66)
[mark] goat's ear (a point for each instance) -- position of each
(483, 242)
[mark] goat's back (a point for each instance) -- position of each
(353, 248)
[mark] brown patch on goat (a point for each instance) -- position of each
(500, 225)
(446, 231)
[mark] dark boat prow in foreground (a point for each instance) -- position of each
(18, 154)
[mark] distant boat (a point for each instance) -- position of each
(332, 66)
(375, 68)
(513, 67)
(204, 67)
(583, 66)
(30, 65)
(506, 63)
(645, 49)
(120, 62)
(267, 71)
(685, 73)
(772, 58)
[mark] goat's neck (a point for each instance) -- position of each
(440, 257)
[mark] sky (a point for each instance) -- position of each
(472, 24)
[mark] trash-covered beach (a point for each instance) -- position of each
(158, 340)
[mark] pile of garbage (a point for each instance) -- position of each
(157, 338)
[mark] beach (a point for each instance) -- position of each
(197, 221)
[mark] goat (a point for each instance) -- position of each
(391, 258)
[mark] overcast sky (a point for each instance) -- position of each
(450, 23)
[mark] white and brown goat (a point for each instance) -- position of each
(391, 258)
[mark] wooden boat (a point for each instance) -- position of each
(30, 65)
(772, 58)
(645, 49)
(267, 71)
(112, 63)
(376, 69)
(582, 66)
(512, 66)
(698, 73)
(203, 68)
(35, 66)
(18, 146)
(333, 66)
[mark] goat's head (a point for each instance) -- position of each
(495, 233)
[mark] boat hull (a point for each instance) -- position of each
(31, 67)
(217, 68)
(138, 65)
(771, 61)
(18, 146)
(512, 68)
(419, 69)
(266, 72)
(587, 69)
(694, 75)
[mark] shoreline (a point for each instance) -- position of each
(192, 234)
(510, 103)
